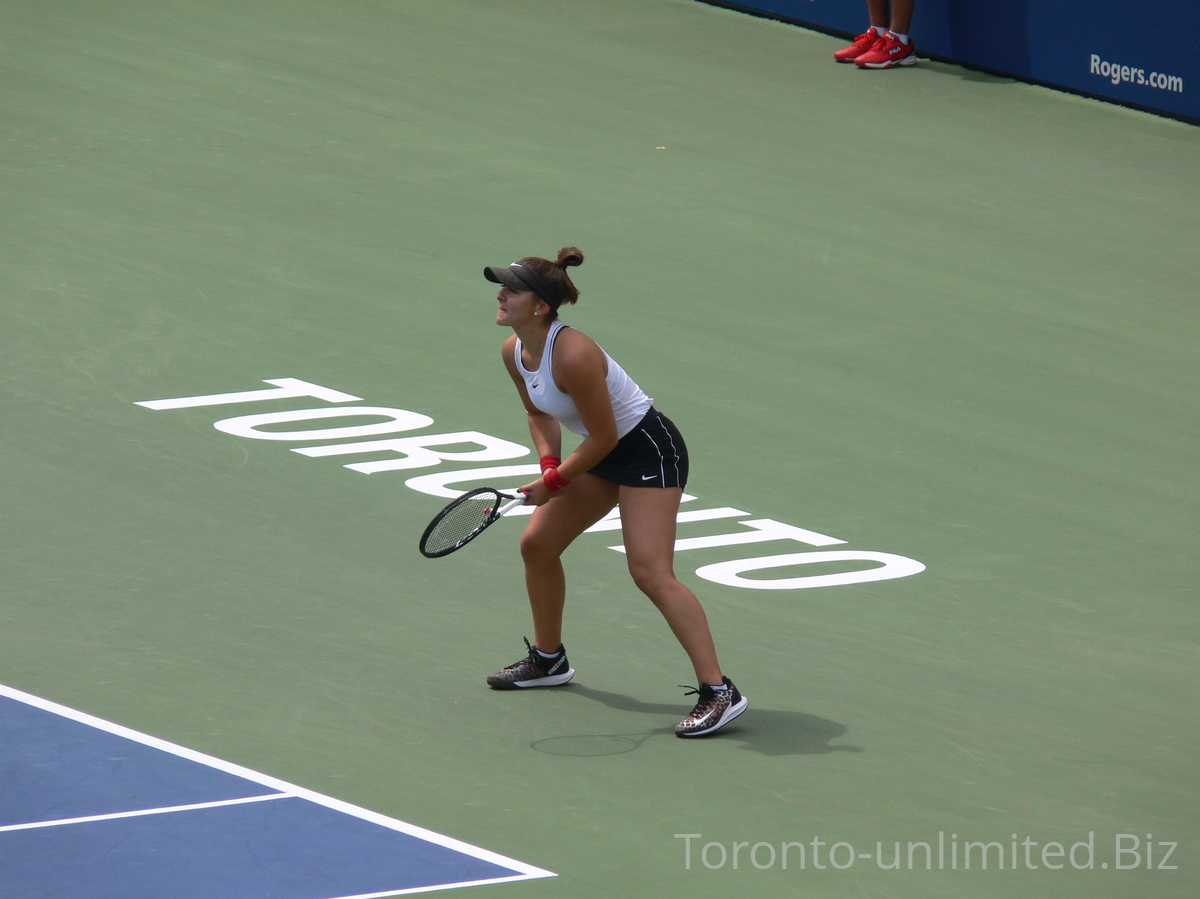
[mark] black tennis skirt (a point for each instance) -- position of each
(653, 454)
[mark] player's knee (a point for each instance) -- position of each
(535, 548)
(651, 579)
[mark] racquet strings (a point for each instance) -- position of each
(460, 522)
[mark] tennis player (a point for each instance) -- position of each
(631, 455)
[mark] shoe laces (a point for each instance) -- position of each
(536, 659)
(708, 698)
(531, 658)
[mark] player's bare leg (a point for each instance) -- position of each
(552, 528)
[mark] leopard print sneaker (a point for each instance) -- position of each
(713, 710)
(533, 671)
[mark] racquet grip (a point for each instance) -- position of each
(513, 503)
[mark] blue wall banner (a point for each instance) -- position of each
(1133, 53)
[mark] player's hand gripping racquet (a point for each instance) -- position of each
(465, 519)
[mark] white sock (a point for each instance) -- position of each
(548, 655)
(719, 687)
(903, 38)
(879, 30)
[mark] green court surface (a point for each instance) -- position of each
(928, 313)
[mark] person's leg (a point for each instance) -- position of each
(648, 523)
(880, 13)
(901, 16)
(551, 529)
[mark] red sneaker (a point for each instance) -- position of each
(888, 52)
(861, 45)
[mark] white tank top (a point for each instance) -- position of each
(630, 404)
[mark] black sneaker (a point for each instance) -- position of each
(533, 671)
(713, 710)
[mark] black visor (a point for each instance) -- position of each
(519, 276)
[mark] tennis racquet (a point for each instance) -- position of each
(465, 519)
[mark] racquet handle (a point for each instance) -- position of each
(513, 503)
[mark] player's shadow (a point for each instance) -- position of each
(766, 731)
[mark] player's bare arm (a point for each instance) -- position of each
(580, 371)
(544, 429)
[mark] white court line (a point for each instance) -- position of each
(524, 871)
(140, 813)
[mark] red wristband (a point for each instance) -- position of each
(549, 462)
(552, 479)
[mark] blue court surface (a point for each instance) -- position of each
(92, 809)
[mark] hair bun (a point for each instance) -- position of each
(568, 256)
